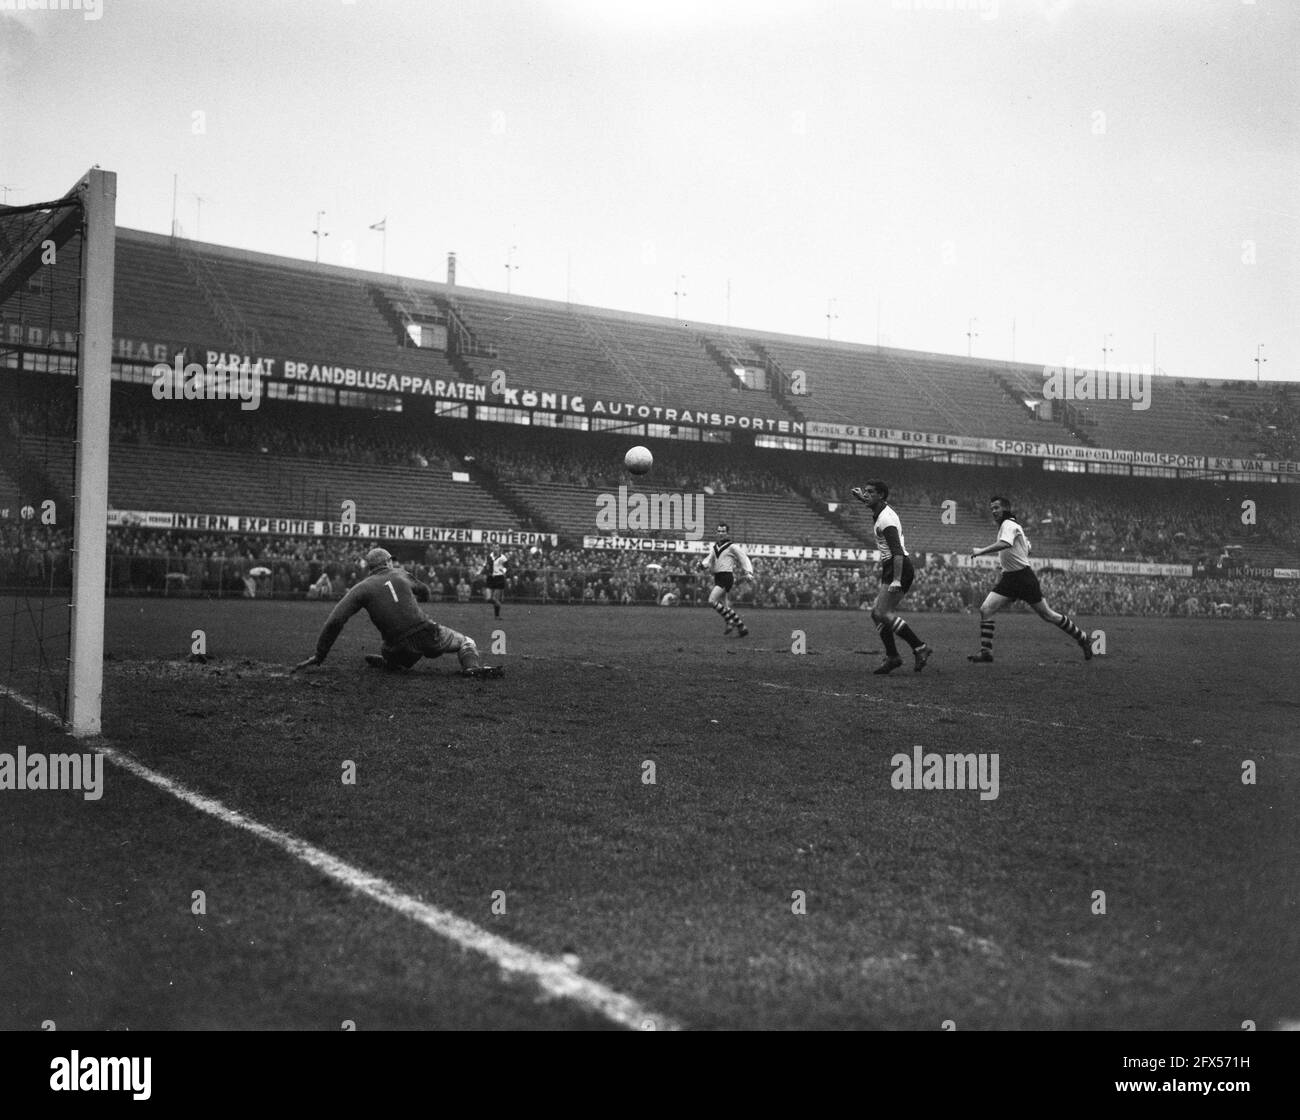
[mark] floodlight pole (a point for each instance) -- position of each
(1259, 361)
(510, 265)
(318, 234)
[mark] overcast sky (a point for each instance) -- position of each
(1082, 169)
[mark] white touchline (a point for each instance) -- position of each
(553, 976)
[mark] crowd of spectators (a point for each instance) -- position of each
(156, 562)
(1083, 516)
(1273, 421)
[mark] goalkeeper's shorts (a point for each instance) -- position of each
(429, 640)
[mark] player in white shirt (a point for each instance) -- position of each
(1017, 581)
(495, 570)
(722, 559)
(896, 575)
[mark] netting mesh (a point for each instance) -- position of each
(41, 251)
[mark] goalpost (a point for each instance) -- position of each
(98, 192)
(56, 319)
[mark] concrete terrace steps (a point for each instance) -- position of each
(213, 480)
(758, 518)
(323, 313)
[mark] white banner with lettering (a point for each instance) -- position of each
(301, 527)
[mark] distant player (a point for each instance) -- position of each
(896, 575)
(722, 559)
(1018, 581)
(388, 594)
(495, 571)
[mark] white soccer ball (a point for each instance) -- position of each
(639, 460)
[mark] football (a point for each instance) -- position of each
(638, 460)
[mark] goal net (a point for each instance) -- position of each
(56, 311)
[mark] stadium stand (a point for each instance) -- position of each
(294, 459)
(9, 493)
(234, 482)
(174, 290)
(155, 296)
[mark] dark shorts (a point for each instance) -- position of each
(906, 576)
(496, 583)
(1022, 585)
(427, 640)
(724, 580)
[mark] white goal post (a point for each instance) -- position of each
(98, 193)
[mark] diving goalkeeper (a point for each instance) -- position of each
(388, 594)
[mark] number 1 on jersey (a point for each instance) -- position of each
(389, 584)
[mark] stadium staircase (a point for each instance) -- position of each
(919, 378)
(840, 522)
(154, 296)
(1018, 388)
(462, 341)
(538, 348)
(730, 353)
(239, 334)
(624, 363)
(408, 308)
(397, 319)
(525, 513)
(779, 381)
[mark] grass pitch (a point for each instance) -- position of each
(772, 776)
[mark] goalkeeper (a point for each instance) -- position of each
(388, 594)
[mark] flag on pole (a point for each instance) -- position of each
(380, 225)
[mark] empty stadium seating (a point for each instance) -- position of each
(758, 518)
(187, 292)
(235, 482)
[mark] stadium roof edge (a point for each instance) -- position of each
(333, 271)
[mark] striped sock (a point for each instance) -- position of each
(905, 632)
(1068, 625)
(986, 635)
(886, 632)
(728, 613)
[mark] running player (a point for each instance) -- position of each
(1018, 581)
(896, 575)
(495, 571)
(722, 559)
(388, 595)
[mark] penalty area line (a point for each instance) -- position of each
(552, 975)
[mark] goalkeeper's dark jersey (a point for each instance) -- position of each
(389, 597)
